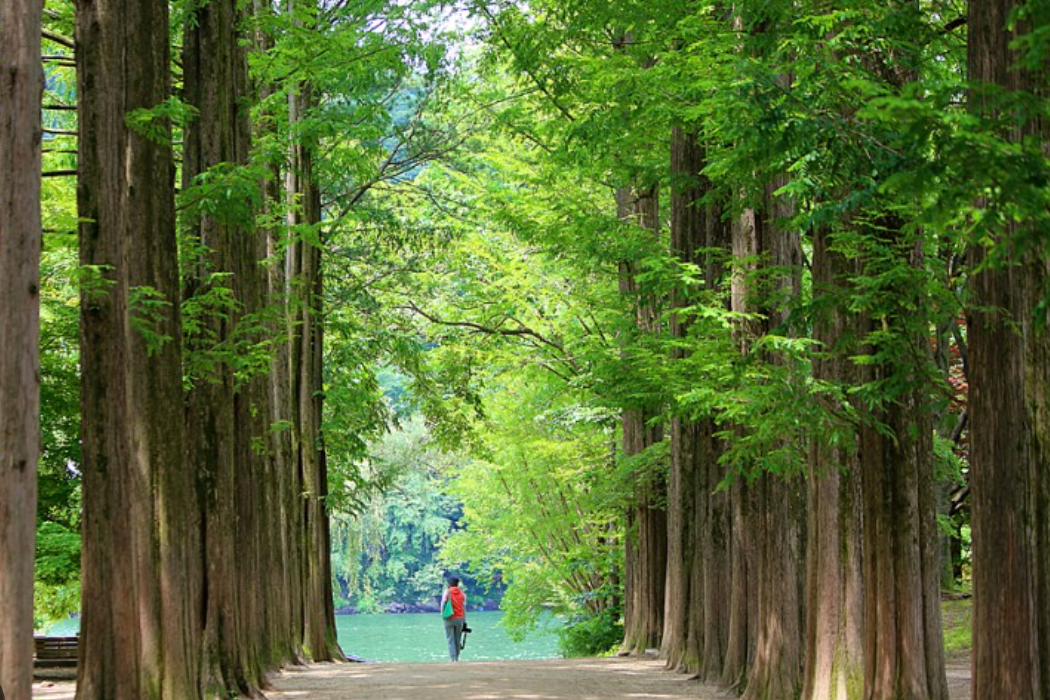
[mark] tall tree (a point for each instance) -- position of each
(834, 626)
(1010, 371)
(768, 276)
(139, 588)
(683, 620)
(224, 267)
(696, 624)
(903, 645)
(306, 395)
(21, 88)
(645, 564)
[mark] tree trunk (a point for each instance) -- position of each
(742, 588)
(21, 87)
(903, 643)
(712, 570)
(223, 400)
(696, 624)
(683, 623)
(139, 578)
(307, 354)
(646, 557)
(834, 668)
(778, 520)
(1009, 404)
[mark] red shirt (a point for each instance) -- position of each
(459, 601)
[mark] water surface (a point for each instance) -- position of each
(420, 637)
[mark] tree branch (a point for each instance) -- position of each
(58, 39)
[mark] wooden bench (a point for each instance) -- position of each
(55, 652)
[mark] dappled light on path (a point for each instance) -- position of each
(554, 679)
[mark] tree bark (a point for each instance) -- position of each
(645, 565)
(139, 581)
(903, 642)
(307, 354)
(21, 89)
(1009, 403)
(696, 621)
(742, 610)
(834, 668)
(683, 624)
(225, 403)
(759, 244)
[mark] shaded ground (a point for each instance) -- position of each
(554, 679)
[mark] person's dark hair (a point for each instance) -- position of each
(453, 581)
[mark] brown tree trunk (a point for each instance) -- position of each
(696, 624)
(1009, 404)
(21, 87)
(645, 564)
(139, 579)
(903, 644)
(759, 245)
(683, 523)
(739, 645)
(712, 570)
(834, 668)
(223, 401)
(307, 353)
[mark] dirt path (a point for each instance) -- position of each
(555, 679)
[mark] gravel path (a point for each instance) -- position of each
(554, 679)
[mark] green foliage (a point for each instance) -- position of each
(538, 509)
(56, 588)
(155, 123)
(591, 636)
(148, 309)
(385, 539)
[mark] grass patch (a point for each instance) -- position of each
(957, 618)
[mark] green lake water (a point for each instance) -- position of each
(421, 637)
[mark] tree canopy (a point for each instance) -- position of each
(697, 324)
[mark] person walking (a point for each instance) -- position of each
(457, 619)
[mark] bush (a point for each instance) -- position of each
(591, 636)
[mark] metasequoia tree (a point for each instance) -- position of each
(223, 524)
(834, 624)
(139, 581)
(303, 266)
(696, 620)
(766, 279)
(1010, 381)
(903, 641)
(645, 564)
(267, 578)
(21, 87)
(222, 403)
(683, 518)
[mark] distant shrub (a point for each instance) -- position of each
(591, 636)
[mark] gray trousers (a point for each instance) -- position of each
(454, 634)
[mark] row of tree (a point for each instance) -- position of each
(205, 559)
(751, 232)
(824, 216)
